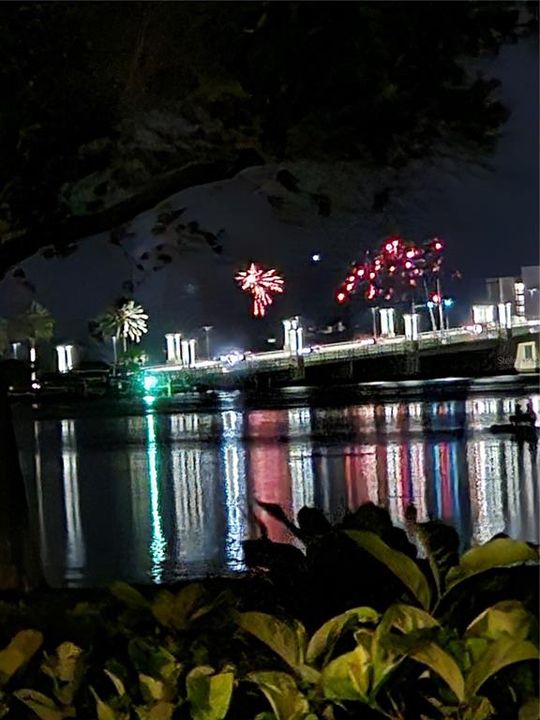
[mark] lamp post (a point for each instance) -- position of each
(374, 319)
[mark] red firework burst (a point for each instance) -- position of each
(261, 284)
(394, 271)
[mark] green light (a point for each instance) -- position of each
(149, 399)
(150, 382)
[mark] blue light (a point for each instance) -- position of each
(150, 382)
(430, 304)
(448, 302)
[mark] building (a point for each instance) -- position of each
(522, 291)
(530, 276)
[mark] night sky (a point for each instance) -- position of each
(488, 218)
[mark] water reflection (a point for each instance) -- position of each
(158, 544)
(75, 549)
(180, 489)
(236, 493)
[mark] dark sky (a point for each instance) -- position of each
(489, 219)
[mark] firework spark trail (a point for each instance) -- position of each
(261, 284)
(395, 270)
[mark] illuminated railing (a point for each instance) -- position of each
(281, 360)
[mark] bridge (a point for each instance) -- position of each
(470, 351)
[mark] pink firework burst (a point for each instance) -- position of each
(261, 284)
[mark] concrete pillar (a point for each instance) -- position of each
(387, 322)
(411, 326)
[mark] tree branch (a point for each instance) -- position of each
(76, 228)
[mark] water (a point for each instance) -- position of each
(157, 497)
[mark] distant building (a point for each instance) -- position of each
(530, 276)
(522, 291)
(500, 289)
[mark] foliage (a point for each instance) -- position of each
(124, 109)
(126, 320)
(33, 324)
(224, 650)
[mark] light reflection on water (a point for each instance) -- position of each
(159, 497)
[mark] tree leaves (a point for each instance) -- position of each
(496, 553)
(397, 562)
(18, 653)
(209, 694)
(286, 639)
(281, 691)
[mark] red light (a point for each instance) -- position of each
(437, 244)
(350, 278)
(410, 253)
(349, 287)
(408, 265)
(360, 272)
(341, 297)
(392, 268)
(371, 275)
(389, 247)
(436, 298)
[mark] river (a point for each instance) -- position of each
(154, 496)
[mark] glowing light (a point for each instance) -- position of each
(436, 298)
(149, 399)
(261, 284)
(158, 545)
(341, 297)
(448, 302)
(316, 257)
(150, 382)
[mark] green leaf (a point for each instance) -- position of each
(118, 684)
(159, 711)
(499, 654)
(508, 617)
(105, 711)
(18, 653)
(530, 710)
(66, 668)
(286, 639)
(405, 569)
(42, 706)
(151, 689)
(281, 691)
(496, 553)
(348, 676)
(128, 595)
(443, 664)
(178, 610)
(154, 661)
(407, 619)
(324, 640)
(209, 695)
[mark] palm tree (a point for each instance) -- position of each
(126, 320)
(32, 325)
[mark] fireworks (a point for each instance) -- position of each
(395, 271)
(261, 284)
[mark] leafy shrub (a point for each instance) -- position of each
(232, 650)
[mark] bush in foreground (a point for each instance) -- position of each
(232, 650)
